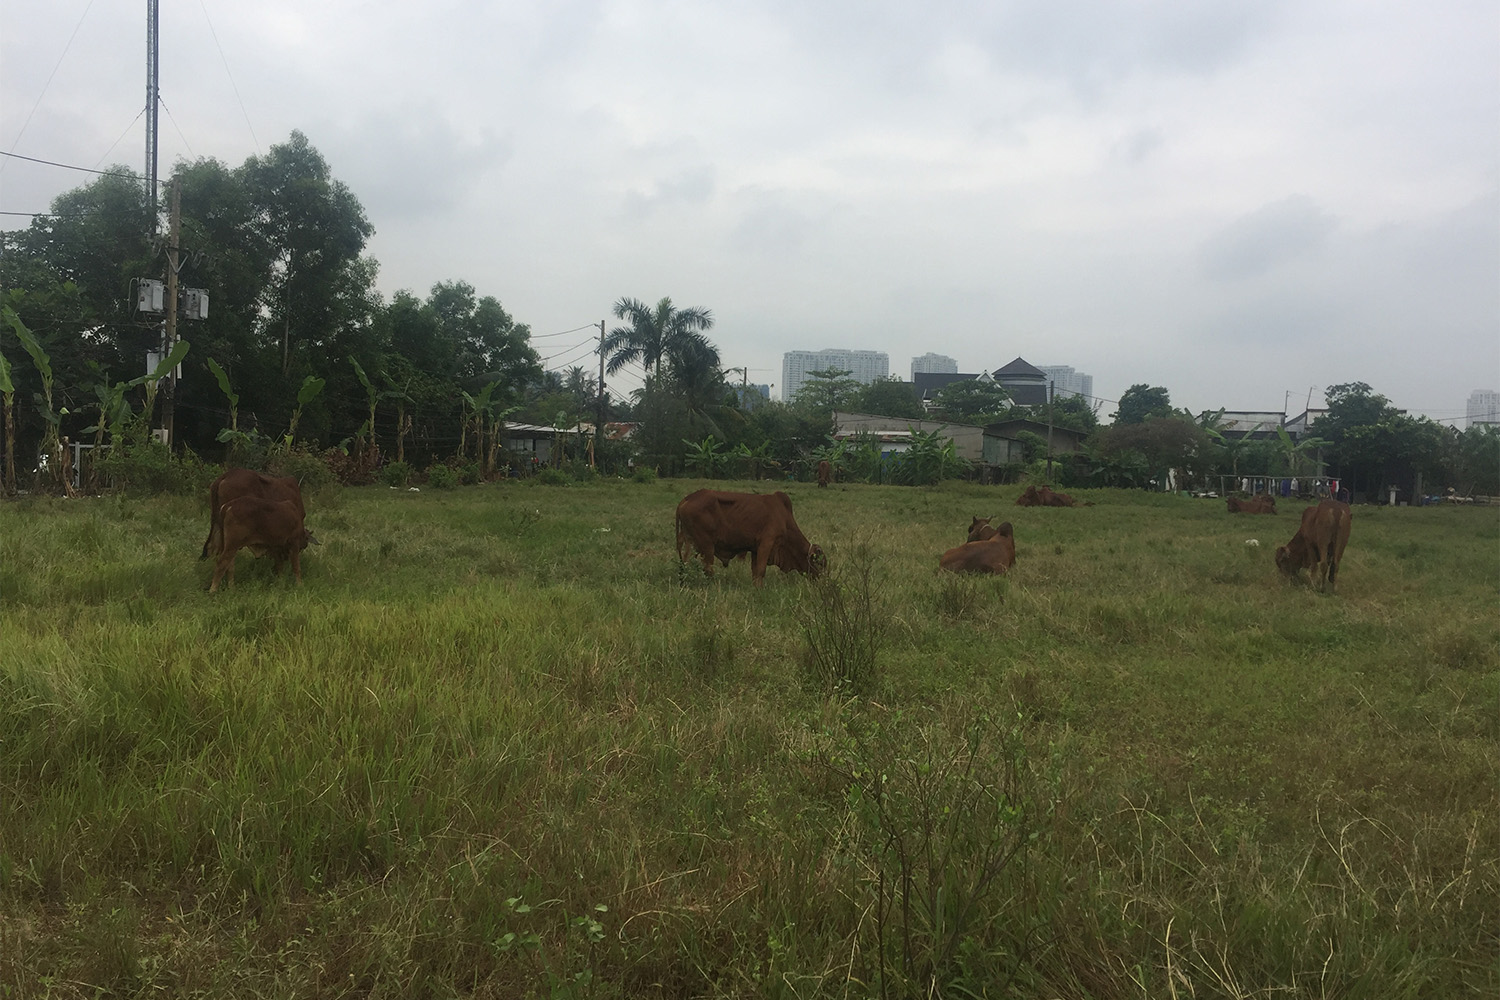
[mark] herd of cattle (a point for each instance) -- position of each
(251, 510)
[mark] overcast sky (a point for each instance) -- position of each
(1241, 200)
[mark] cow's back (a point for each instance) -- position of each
(237, 483)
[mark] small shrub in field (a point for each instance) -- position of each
(843, 628)
(395, 474)
(947, 820)
(150, 468)
(307, 467)
(643, 475)
(957, 596)
(469, 474)
(440, 477)
(552, 477)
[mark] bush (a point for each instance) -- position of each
(150, 468)
(304, 465)
(440, 477)
(844, 629)
(552, 477)
(395, 474)
(468, 474)
(643, 474)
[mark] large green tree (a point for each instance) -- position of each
(653, 336)
(888, 397)
(973, 401)
(1141, 402)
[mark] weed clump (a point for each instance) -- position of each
(843, 628)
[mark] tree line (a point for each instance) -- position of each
(300, 350)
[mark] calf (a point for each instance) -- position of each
(1261, 503)
(995, 554)
(244, 483)
(1318, 545)
(825, 473)
(261, 525)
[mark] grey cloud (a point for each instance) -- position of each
(412, 164)
(693, 186)
(1266, 238)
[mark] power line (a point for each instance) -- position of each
(567, 350)
(232, 85)
(69, 166)
(50, 76)
(544, 336)
(122, 135)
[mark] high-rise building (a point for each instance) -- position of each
(1484, 407)
(863, 366)
(938, 364)
(1067, 381)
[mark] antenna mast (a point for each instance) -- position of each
(153, 11)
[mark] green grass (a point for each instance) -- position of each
(1141, 765)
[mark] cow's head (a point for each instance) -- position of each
(1287, 561)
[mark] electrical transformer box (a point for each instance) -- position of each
(194, 303)
(150, 295)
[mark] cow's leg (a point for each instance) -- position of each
(758, 566)
(297, 565)
(226, 562)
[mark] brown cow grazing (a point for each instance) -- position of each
(1318, 545)
(244, 483)
(721, 525)
(261, 525)
(995, 554)
(825, 473)
(1261, 503)
(980, 530)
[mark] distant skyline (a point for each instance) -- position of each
(1239, 201)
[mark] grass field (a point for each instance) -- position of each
(498, 744)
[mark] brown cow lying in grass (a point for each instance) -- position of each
(980, 530)
(995, 554)
(261, 525)
(721, 525)
(1318, 545)
(1261, 503)
(1044, 497)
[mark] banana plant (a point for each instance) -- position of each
(229, 393)
(372, 395)
(705, 455)
(152, 381)
(311, 386)
(8, 390)
(51, 444)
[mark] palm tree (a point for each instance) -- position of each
(653, 336)
(665, 341)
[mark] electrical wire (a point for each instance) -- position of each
(50, 76)
(69, 166)
(232, 85)
(544, 336)
(122, 135)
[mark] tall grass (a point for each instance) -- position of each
(493, 747)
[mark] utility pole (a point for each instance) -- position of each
(153, 65)
(1051, 392)
(169, 341)
(599, 423)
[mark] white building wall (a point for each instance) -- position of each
(864, 367)
(1069, 381)
(1484, 407)
(935, 363)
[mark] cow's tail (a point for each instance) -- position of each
(682, 539)
(213, 516)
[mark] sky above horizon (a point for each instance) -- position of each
(1244, 201)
